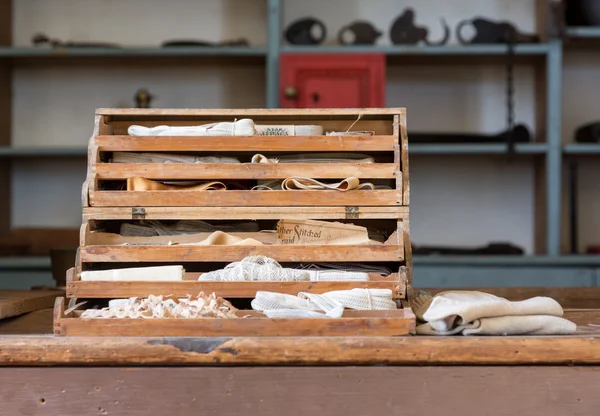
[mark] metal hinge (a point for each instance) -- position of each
(352, 213)
(138, 213)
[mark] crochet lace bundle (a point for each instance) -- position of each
(312, 305)
(255, 268)
(266, 269)
(201, 306)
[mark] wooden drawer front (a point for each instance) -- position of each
(76, 288)
(292, 253)
(210, 171)
(247, 213)
(245, 198)
(353, 323)
(246, 143)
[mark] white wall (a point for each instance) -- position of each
(456, 200)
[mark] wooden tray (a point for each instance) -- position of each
(76, 288)
(353, 323)
(106, 204)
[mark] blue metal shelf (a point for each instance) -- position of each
(149, 52)
(418, 50)
(589, 32)
(27, 263)
(582, 149)
(507, 260)
(30, 152)
(43, 262)
(475, 149)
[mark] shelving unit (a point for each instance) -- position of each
(42, 152)
(66, 53)
(418, 50)
(546, 154)
(582, 149)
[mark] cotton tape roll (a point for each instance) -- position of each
(243, 127)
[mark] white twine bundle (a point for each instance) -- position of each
(201, 306)
(311, 305)
(266, 269)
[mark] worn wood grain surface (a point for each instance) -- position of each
(228, 198)
(291, 253)
(245, 143)
(33, 323)
(244, 170)
(17, 302)
(273, 391)
(410, 350)
(258, 213)
(327, 112)
(81, 289)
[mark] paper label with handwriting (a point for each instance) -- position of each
(306, 232)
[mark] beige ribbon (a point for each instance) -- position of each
(219, 238)
(143, 184)
(348, 184)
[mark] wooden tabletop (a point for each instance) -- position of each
(42, 350)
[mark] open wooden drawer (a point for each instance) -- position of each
(251, 324)
(105, 181)
(76, 288)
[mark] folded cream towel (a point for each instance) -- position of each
(472, 312)
(508, 325)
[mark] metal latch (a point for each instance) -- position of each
(138, 213)
(352, 213)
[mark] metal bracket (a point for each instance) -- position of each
(352, 213)
(138, 213)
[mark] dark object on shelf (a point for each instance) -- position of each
(588, 133)
(488, 31)
(41, 39)
(300, 32)
(520, 134)
(361, 33)
(179, 43)
(11, 249)
(490, 249)
(593, 250)
(62, 259)
(143, 98)
(582, 12)
(573, 208)
(404, 31)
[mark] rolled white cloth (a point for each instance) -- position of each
(243, 127)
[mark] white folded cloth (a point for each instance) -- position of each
(472, 312)
(243, 127)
